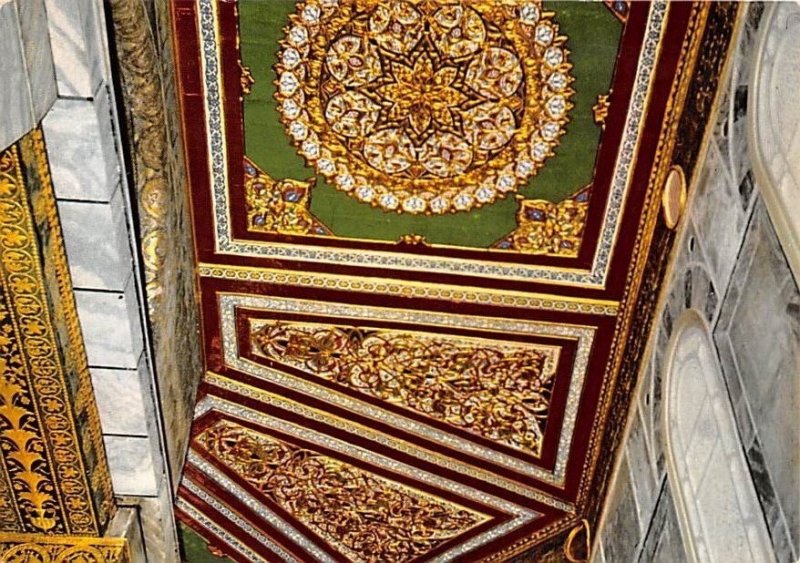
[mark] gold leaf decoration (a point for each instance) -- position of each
(500, 391)
(365, 516)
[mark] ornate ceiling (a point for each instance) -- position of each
(428, 242)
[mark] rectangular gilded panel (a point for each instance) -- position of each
(498, 390)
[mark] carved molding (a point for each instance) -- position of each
(143, 51)
(141, 83)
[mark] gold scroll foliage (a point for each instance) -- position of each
(546, 228)
(279, 206)
(364, 516)
(22, 548)
(141, 82)
(496, 390)
(40, 445)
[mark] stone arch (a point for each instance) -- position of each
(715, 499)
(773, 127)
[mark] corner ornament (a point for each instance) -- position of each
(578, 547)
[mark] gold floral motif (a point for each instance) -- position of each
(413, 238)
(422, 107)
(246, 80)
(496, 390)
(600, 110)
(279, 206)
(552, 229)
(364, 516)
(142, 89)
(75, 362)
(35, 548)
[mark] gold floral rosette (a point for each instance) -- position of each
(423, 106)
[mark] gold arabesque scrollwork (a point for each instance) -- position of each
(41, 445)
(421, 107)
(498, 390)
(366, 517)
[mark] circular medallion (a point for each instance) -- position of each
(27, 553)
(423, 106)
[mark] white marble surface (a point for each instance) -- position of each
(131, 463)
(81, 148)
(719, 217)
(27, 87)
(98, 248)
(126, 524)
(119, 399)
(38, 56)
(111, 329)
(73, 35)
(774, 124)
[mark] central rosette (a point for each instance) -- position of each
(422, 106)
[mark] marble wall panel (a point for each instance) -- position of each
(73, 28)
(38, 56)
(131, 462)
(27, 88)
(98, 246)
(719, 218)
(111, 329)
(82, 149)
(759, 341)
(126, 524)
(663, 542)
(622, 517)
(120, 401)
(729, 268)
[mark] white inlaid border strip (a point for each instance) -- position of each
(596, 277)
(583, 335)
(223, 534)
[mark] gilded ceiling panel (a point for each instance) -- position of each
(424, 233)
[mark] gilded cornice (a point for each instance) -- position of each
(141, 82)
(54, 476)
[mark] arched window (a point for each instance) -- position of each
(718, 510)
(774, 122)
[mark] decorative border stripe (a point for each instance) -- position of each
(596, 277)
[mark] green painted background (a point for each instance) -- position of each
(593, 39)
(195, 549)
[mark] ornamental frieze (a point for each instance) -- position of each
(22, 548)
(54, 477)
